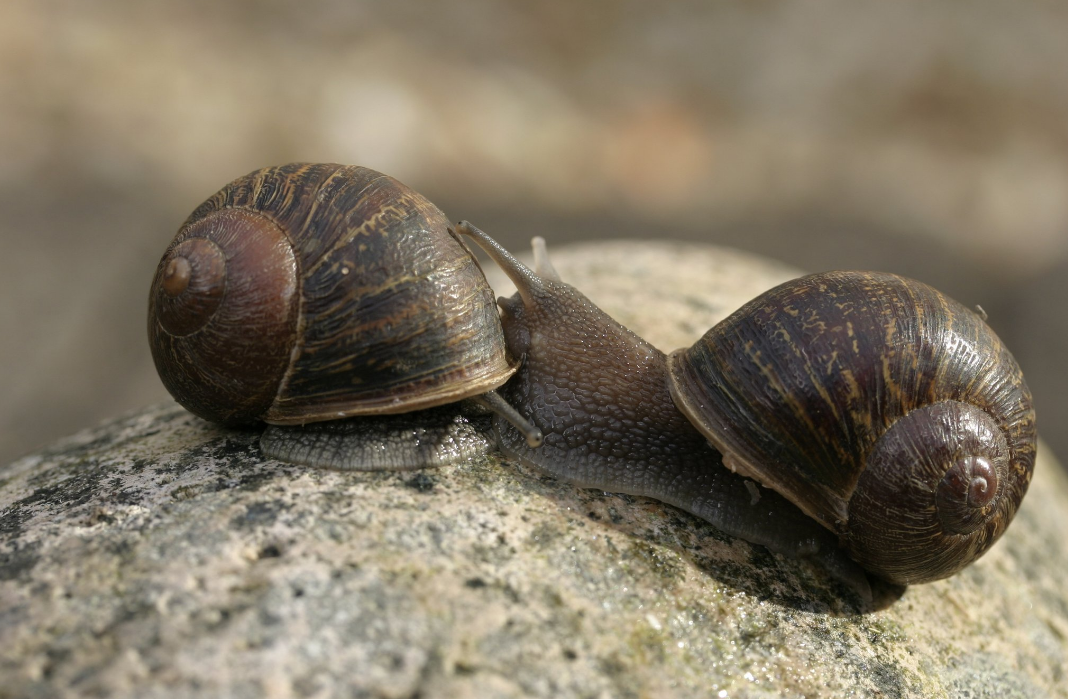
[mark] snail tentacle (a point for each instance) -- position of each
(527, 282)
(543, 266)
(492, 401)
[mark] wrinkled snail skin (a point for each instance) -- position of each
(605, 401)
(313, 292)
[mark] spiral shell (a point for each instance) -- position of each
(886, 411)
(306, 292)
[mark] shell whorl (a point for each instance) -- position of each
(888, 412)
(936, 493)
(221, 314)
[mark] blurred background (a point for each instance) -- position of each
(928, 139)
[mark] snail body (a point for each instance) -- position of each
(887, 424)
(315, 292)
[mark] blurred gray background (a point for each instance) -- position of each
(928, 139)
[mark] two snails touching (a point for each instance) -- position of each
(891, 430)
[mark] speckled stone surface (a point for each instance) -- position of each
(160, 556)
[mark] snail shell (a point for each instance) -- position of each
(312, 292)
(888, 412)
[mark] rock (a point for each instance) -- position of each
(160, 556)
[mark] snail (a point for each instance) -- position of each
(311, 293)
(888, 426)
